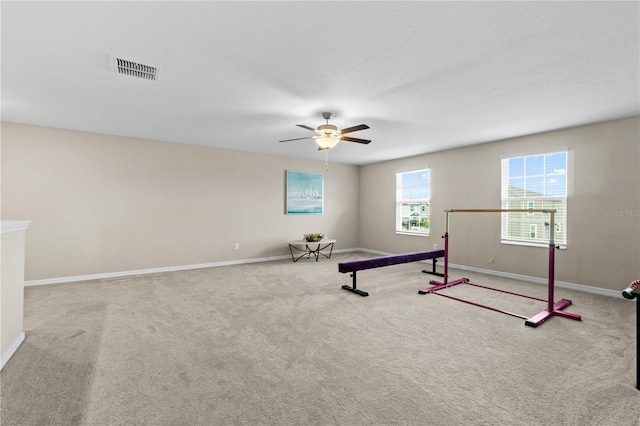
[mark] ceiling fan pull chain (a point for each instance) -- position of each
(326, 160)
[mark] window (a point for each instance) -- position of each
(531, 205)
(534, 182)
(412, 202)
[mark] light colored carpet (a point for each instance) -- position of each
(280, 343)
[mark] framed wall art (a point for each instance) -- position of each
(305, 193)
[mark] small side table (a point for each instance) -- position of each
(311, 248)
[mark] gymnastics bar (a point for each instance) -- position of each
(379, 262)
(553, 309)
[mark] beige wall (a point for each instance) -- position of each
(101, 204)
(603, 251)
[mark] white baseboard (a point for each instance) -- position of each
(561, 284)
(12, 349)
(91, 277)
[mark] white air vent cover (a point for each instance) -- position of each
(135, 69)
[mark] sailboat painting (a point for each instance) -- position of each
(305, 192)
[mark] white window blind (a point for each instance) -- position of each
(413, 191)
(535, 182)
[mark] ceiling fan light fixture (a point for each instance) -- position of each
(327, 141)
(327, 135)
(327, 128)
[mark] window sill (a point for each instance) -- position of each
(523, 243)
(417, 234)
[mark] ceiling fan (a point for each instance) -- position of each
(327, 135)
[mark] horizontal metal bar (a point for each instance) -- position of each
(507, 292)
(482, 306)
(501, 211)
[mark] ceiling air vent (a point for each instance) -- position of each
(135, 69)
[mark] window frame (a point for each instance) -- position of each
(419, 207)
(539, 200)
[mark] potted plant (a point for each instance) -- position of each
(313, 238)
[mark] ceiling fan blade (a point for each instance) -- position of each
(306, 127)
(354, 128)
(349, 139)
(296, 139)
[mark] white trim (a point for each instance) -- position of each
(381, 253)
(543, 244)
(419, 234)
(544, 281)
(12, 349)
(14, 225)
(562, 284)
(159, 270)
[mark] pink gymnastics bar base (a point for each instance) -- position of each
(557, 309)
(534, 321)
(553, 309)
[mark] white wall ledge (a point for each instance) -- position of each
(13, 225)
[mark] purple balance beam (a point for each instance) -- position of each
(379, 262)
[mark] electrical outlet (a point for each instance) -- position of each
(237, 246)
(435, 247)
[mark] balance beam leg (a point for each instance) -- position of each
(433, 269)
(354, 289)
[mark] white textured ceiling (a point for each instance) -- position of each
(425, 76)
